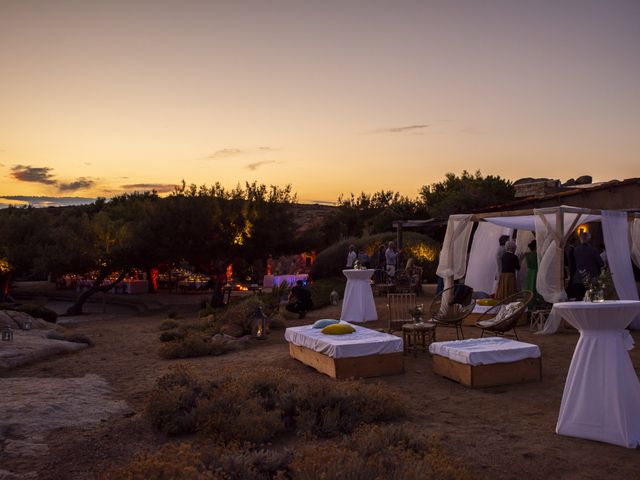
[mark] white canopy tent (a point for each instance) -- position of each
(553, 227)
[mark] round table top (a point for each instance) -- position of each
(597, 305)
(419, 326)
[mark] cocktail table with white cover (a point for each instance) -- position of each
(601, 399)
(358, 304)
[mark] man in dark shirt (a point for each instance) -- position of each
(300, 300)
(588, 265)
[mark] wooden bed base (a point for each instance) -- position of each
(339, 368)
(478, 376)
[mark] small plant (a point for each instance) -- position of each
(168, 325)
(171, 335)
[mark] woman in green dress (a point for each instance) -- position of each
(531, 259)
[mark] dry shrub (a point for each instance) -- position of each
(168, 325)
(70, 337)
(331, 409)
(171, 335)
(174, 462)
(257, 406)
(205, 462)
(192, 345)
(373, 451)
(171, 406)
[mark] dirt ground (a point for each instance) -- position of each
(499, 433)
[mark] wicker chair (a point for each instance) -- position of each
(398, 305)
(489, 321)
(449, 308)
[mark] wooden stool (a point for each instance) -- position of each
(418, 336)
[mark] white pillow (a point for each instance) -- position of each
(505, 311)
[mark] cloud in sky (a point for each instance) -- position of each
(27, 173)
(41, 201)
(231, 152)
(255, 165)
(44, 175)
(77, 184)
(402, 129)
(226, 152)
(158, 187)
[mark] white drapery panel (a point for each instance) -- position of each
(522, 247)
(482, 268)
(615, 229)
(634, 240)
(453, 256)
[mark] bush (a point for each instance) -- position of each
(321, 290)
(377, 452)
(204, 462)
(171, 335)
(168, 325)
(381, 452)
(73, 337)
(36, 311)
(331, 261)
(172, 315)
(258, 405)
(191, 345)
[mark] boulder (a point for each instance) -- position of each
(232, 329)
(584, 180)
(17, 320)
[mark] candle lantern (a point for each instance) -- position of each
(261, 328)
(27, 324)
(7, 333)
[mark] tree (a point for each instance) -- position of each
(466, 193)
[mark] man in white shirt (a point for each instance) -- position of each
(351, 256)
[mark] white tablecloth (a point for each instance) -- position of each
(362, 342)
(485, 351)
(358, 304)
(601, 399)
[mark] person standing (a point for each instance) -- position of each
(507, 285)
(499, 253)
(531, 260)
(391, 258)
(588, 265)
(351, 256)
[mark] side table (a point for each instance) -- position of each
(418, 336)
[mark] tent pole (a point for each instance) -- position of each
(560, 229)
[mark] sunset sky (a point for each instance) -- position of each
(102, 97)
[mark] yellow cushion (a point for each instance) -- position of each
(338, 329)
(487, 302)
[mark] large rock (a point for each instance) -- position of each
(32, 346)
(232, 329)
(17, 320)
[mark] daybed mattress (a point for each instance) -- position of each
(485, 351)
(361, 343)
(481, 308)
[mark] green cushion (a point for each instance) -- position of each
(324, 322)
(338, 329)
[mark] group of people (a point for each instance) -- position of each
(583, 262)
(386, 258)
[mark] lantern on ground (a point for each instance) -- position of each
(27, 324)
(261, 327)
(7, 333)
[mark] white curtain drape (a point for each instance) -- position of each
(453, 256)
(634, 240)
(553, 228)
(482, 268)
(615, 229)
